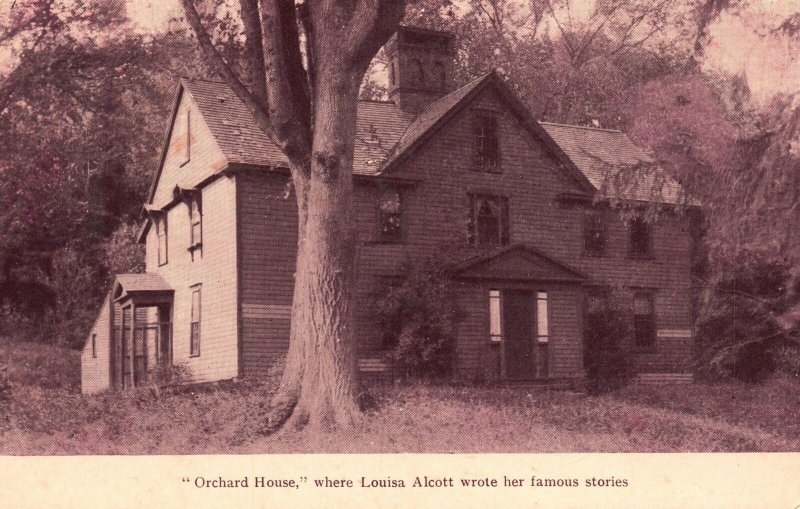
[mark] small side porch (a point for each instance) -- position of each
(141, 329)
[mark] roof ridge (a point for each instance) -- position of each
(590, 128)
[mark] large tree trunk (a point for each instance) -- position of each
(320, 381)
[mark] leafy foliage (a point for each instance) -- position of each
(605, 360)
(415, 319)
(749, 325)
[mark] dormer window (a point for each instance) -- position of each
(486, 147)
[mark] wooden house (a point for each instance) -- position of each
(524, 209)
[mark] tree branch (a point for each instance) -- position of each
(295, 144)
(254, 51)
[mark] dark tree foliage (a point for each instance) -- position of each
(414, 315)
(747, 326)
(83, 100)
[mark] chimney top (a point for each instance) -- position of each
(420, 66)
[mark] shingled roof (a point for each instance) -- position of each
(613, 164)
(384, 134)
(146, 282)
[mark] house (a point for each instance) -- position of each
(524, 209)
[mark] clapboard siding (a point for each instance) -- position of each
(95, 370)
(268, 243)
(435, 214)
(214, 266)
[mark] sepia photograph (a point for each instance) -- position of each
(254, 227)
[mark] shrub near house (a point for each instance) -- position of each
(520, 209)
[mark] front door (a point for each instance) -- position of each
(519, 315)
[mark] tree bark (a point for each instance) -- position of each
(310, 114)
(320, 375)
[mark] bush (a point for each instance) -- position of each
(748, 324)
(415, 317)
(604, 357)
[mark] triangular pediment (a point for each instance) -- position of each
(518, 263)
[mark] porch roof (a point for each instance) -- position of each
(517, 262)
(143, 289)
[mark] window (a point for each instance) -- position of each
(188, 149)
(487, 156)
(416, 76)
(439, 76)
(542, 335)
(594, 232)
(390, 216)
(495, 328)
(94, 345)
(161, 232)
(196, 223)
(639, 237)
(542, 326)
(643, 318)
(195, 327)
(488, 224)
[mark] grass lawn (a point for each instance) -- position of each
(42, 412)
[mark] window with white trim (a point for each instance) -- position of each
(195, 223)
(195, 323)
(495, 326)
(161, 233)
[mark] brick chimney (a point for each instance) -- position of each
(420, 66)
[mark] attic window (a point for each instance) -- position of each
(486, 147)
(188, 149)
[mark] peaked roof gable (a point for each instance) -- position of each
(182, 95)
(519, 262)
(440, 111)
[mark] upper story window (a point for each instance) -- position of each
(94, 345)
(390, 218)
(488, 220)
(195, 223)
(486, 147)
(161, 233)
(594, 232)
(644, 323)
(194, 340)
(639, 231)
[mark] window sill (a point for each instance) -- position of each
(195, 247)
(162, 264)
(194, 356)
